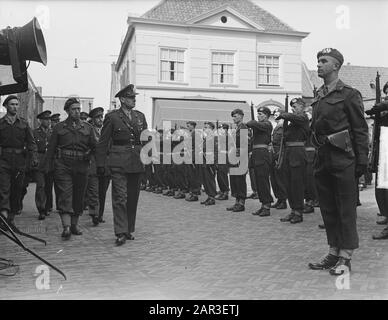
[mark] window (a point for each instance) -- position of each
(222, 67)
(171, 65)
(268, 70)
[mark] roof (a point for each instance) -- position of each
(184, 10)
(359, 77)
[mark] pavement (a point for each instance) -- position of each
(184, 250)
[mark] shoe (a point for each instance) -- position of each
(384, 221)
(47, 212)
(95, 220)
(75, 230)
(192, 198)
(238, 208)
(130, 236)
(257, 212)
(255, 196)
(210, 202)
(180, 195)
(296, 218)
(265, 212)
(121, 239)
(308, 209)
(149, 189)
(342, 266)
(359, 203)
(316, 204)
(222, 196)
(204, 201)
(321, 226)
(142, 187)
(159, 191)
(101, 220)
(326, 263)
(66, 234)
(379, 214)
(287, 218)
(282, 205)
(382, 235)
(231, 208)
(42, 216)
(275, 205)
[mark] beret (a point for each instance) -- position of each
(297, 100)
(332, 53)
(193, 123)
(84, 114)
(10, 97)
(225, 126)
(55, 116)
(265, 110)
(211, 124)
(238, 111)
(45, 115)
(96, 112)
(70, 101)
(128, 91)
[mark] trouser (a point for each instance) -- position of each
(103, 185)
(336, 191)
(222, 177)
(159, 172)
(49, 184)
(11, 186)
(382, 201)
(40, 192)
(208, 176)
(125, 196)
(148, 175)
(294, 171)
(180, 175)
(310, 188)
(92, 194)
(70, 178)
(252, 178)
(238, 186)
(278, 182)
(193, 177)
(261, 175)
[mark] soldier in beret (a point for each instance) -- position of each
(294, 163)
(192, 170)
(340, 133)
(261, 160)
(222, 168)
(97, 184)
(69, 148)
(16, 142)
(120, 136)
(42, 136)
(238, 183)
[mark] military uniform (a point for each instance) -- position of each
(121, 130)
(192, 170)
(16, 141)
(221, 149)
(69, 149)
(42, 136)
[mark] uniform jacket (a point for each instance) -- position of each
(42, 138)
(261, 135)
(340, 109)
(277, 135)
(120, 137)
(18, 135)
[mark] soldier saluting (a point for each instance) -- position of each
(120, 136)
(340, 133)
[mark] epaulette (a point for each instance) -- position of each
(137, 111)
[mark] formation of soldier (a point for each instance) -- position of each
(312, 157)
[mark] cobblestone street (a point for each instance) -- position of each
(184, 250)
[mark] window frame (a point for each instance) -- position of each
(233, 65)
(268, 85)
(175, 71)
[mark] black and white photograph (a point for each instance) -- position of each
(193, 150)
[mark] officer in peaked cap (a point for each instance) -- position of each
(42, 136)
(120, 135)
(96, 112)
(84, 115)
(55, 118)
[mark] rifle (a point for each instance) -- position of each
(252, 112)
(280, 160)
(374, 159)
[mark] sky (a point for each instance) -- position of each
(92, 32)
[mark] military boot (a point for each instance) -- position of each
(66, 234)
(74, 225)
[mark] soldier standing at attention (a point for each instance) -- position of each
(16, 141)
(71, 143)
(261, 160)
(340, 133)
(121, 130)
(295, 136)
(42, 135)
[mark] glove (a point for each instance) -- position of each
(360, 170)
(382, 106)
(100, 171)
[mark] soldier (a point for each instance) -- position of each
(222, 167)
(97, 184)
(42, 135)
(16, 140)
(261, 160)
(340, 133)
(192, 169)
(238, 183)
(71, 143)
(122, 129)
(295, 136)
(54, 119)
(84, 116)
(277, 174)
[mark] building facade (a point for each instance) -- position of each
(198, 60)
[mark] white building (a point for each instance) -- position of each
(198, 60)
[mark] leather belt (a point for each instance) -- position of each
(260, 146)
(12, 150)
(72, 153)
(295, 144)
(310, 149)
